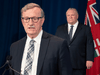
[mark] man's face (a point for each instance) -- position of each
(31, 27)
(72, 16)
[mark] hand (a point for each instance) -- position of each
(89, 64)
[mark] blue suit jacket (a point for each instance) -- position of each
(53, 58)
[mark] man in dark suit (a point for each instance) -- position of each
(46, 54)
(80, 42)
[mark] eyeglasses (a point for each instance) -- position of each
(34, 19)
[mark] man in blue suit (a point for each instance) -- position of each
(80, 42)
(39, 53)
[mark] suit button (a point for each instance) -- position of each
(69, 46)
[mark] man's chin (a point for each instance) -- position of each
(70, 22)
(31, 33)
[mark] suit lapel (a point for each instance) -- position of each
(76, 32)
(43, 50)
(66, 33)
(20, 53)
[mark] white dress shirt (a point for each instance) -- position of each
(74, 28)
(36, 53)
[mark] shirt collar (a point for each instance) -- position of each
(73, 24)
(36, 39)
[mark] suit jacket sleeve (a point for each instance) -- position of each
(90, 45)
(65, 67)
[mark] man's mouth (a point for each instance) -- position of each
(31, 27)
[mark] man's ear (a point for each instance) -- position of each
(43, 19)
(22, 21)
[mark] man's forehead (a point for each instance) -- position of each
(33, 11)
(71, 11)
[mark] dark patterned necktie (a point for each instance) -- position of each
(29, 58)
(70, 32)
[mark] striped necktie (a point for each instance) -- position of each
(29, 58)
(71, 31)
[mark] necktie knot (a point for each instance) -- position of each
(32, 42)
(71, 26)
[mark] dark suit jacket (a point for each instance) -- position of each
(81, 46)
(53, 58)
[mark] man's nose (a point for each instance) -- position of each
(70, 16)
(31, 22)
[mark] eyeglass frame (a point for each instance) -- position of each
(32, 18)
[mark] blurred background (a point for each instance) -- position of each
(11, 28)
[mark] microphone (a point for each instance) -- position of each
(8, 58)
(7, 61)
(14, 70)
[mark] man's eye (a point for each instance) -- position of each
(26, 18)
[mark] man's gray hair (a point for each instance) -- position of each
(30, 6)
(72, 9)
